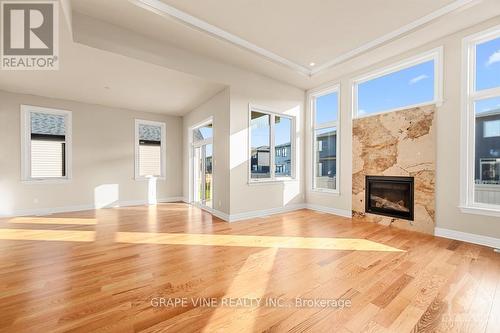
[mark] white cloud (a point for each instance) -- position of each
(361, 112)
(418, 79)
(495, 57)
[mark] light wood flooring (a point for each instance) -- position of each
(107, 270)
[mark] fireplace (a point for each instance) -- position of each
(390, 196)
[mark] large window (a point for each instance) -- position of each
(413, 82)
(46, 146)
(325, 118)
(481, 120)
(149, 149)
(271, 145)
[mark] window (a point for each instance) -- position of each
(149, 149)
(325, 114)
(204, 132)
(481, 123)
(271, 145)
(46, 144)
(491, 129)
(414, 82)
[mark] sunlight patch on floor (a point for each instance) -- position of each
(53, 220)
(283, 242)
(250, 282)
(47, 235)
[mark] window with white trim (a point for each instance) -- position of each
(46, 144)
(410, 83)
(325, 121)
(271, 145)
(149, 149)
(481, 121)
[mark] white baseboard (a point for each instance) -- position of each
(278, 210)
(77, 208)
(265, 212)
(467, 237)
(330, 210)
(217, 213)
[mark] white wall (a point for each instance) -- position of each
(232, 193)
(103, 158)
(218, 108)
(448, 215)
(280, 98)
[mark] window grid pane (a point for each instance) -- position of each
(487, 65)
(326, 107)
(325, 159)
(260, 127)
(487, 151)
(202, 133)
(283, 146)
(410, 86)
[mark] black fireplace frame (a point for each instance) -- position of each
(388, 179)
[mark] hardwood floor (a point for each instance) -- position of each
(118, 270)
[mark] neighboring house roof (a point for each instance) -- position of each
(261, 149)
(488, 113)
(284, 145)
(322, 135)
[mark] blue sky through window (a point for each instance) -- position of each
(282, 131)
(260, 130)
(327, 108)
(206, 131)
(487, 104)
(409, 86)
(488, 65)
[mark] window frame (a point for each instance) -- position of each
(435, 55)
(272, 147)
(312, 106)
(26, 177)
(468, 130)
(195, 144)
(163, 150)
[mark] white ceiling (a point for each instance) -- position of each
(309, 31)
(298, 31)
(94, 76)
(326, 32)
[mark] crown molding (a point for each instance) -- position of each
(160, 8)
(454, 6)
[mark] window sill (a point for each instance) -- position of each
(272, 181)
(46, 181)
(325, 191)
(486, 211)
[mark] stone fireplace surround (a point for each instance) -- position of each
(400, 143)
